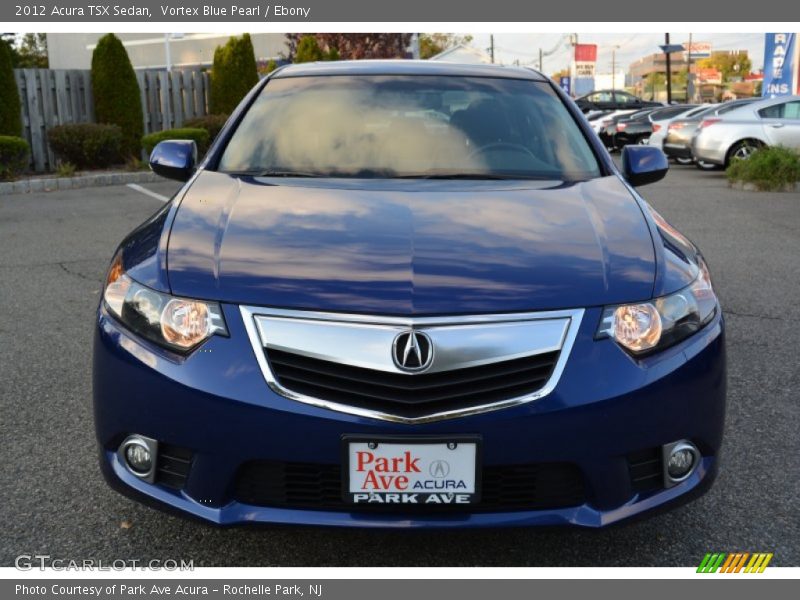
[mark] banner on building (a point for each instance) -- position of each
(779, 60)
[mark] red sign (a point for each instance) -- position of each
(585, 52)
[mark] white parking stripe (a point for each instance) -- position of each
(144, 190)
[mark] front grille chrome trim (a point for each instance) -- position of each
(571, 319)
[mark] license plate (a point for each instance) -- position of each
(411, 471)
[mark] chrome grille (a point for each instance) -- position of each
(345, 362)
(411, 395)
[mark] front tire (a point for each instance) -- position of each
(742, 150)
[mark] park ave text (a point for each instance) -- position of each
(251, 11)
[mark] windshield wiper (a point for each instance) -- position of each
(284, 173)
(458, 175)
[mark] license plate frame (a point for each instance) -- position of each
(408, 441)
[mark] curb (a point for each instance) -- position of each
(51, 184)
(789, 188)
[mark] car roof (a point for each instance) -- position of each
(405, 67)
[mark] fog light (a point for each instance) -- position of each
(680, 461)
(138, 458)
(138, 454)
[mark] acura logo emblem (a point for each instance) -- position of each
(412, 351)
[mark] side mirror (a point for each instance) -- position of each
(643, 164)
(174, 159)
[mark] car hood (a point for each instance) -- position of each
(410, 247)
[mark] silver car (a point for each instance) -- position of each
(738, 133)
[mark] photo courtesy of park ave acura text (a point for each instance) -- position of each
(445, 298)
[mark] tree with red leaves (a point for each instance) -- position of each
(354, 46)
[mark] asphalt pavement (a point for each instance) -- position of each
(55, 248)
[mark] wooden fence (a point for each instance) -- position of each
(53, 97)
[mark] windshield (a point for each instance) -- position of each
(409, 126)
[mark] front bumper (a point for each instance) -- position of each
(216, 404)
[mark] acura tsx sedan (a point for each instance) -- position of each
(408, 294)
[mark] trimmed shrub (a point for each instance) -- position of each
(200, 137)
(213, 124)
(87, 145)
(233, 74)
(10, 109)
(116, 92)
(14, 153)
(768, 169)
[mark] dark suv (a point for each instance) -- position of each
(612, 100)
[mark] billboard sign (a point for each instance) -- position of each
(779, 74)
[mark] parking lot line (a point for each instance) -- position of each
(144, 190)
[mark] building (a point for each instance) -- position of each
(464, 54)
(149, 50)
(657, 63)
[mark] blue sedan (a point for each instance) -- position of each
(408, 294)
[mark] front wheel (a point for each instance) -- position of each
(742, 150)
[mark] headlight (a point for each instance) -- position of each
(179, 324)
(650, 326)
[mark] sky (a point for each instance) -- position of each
(510, 47)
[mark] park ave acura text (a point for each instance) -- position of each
(408, 294)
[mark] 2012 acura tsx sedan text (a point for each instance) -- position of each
(408, 294)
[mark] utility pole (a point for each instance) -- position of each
(689, 82)
(669, 70)
(491, 46)
(614, 67)
(540, 60)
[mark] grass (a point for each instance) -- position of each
(768, 169)
(65, 169)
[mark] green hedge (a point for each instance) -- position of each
(116, 92)
(10, 110)
(213, 124)
(88, 145)
(14, 153)
(768, 168)
(200, 136)
(233, 74)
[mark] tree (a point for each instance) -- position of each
(116, 92)
(653, 81)
(431, 44)
(32, 51)
(233, 74)
(10, 110)
(559, 74)
(353, 46)
(308, 50)
(729, 65)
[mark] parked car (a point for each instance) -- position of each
(609, 125)
(634, 129)
(678, 143)
(661, 121)
(408, 294)
(612, 100)
(738, 133)
(599, 124)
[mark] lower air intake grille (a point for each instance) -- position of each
(504, 488)
(172, 467)
(646, 470)
(411, 395)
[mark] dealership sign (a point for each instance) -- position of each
(780, 64)
(583, 67)
(697, 49)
